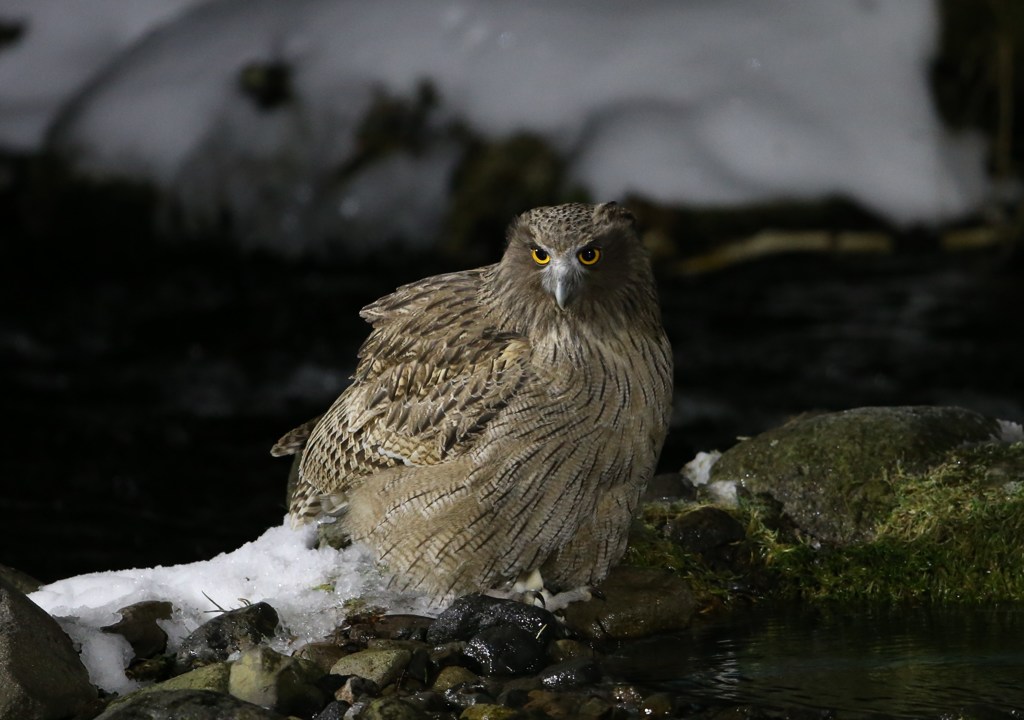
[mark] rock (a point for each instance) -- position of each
(829, 472)
(152, 669)
(597, 708)
(637, 602)
(324, 654)
(234, 630)
(571, 673)
(567, 649)
(381, 666)
(486, 711)
(470, 693)
(334, 711)
(428, 701)
(658, 704)
(22, 582)
(268, 678)
(470, 614)
(391, 708)
(451, 676)
(402, 627)
(516, 693)
(668, 486)
(506, 650)
(209, 677)
(553, 705)
(704, 530)
(138, 626)
(186, 705)
(356, 689)
(41, 675)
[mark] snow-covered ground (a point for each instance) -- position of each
(717, 103)
(308, 587)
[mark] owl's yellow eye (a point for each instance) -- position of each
(589, 256)
(540, 256)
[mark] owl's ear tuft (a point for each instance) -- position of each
(613, 212)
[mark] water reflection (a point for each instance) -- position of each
(906, 663)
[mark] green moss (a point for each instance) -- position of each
(649, 547)
(953, 535)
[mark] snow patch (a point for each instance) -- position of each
(307, 586)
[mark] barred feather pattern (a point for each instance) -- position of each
(489, 431)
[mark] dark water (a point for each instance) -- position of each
(899, 663)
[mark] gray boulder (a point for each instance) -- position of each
(41, 675)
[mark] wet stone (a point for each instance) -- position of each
(381, 666)
(470, 614)
(572, 673)
(191, 704)
(555, 705)
(209, 677)
(668, 486)
(506, 650)
(268, 678)
(596, 708)
(657, 705)
(567, 649)
(355, 689)
(428, 701)
(391, 708)
(637, 602)
(403, 627)
(334, 711)
(234, 630)
(324, 654)
(485, 711)
(451, 676)
(627, 695)
(471, 693)
(704, 530)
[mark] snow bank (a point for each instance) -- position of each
(718, 103)
(306, 586)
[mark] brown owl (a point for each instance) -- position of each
(502, 420)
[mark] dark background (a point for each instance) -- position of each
(143, 390)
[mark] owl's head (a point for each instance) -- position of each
(575, 252)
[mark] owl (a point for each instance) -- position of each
(502, 421)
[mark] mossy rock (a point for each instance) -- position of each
(831, 474)
(953, 535)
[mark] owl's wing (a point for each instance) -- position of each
(294, 440)
(431, 376)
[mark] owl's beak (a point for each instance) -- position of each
(565, 282)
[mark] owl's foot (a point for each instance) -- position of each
(562, 600)
(529, 589)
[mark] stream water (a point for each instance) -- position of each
(894, 663)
